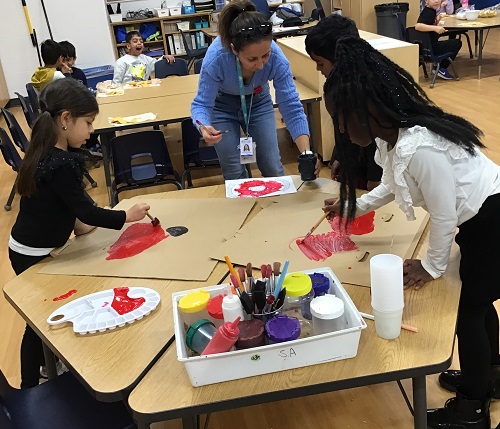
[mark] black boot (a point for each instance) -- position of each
(460, 413)
(452, 378)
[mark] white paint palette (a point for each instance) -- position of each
(107, 309)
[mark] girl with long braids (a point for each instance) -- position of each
(431, 159)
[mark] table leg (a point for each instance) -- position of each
(480, 55)
(419, 403)
(50, 362)
(190, 422)
(106, 152)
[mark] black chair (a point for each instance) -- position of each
(12, 158)
(192, 53)
(164, 69)
(195, 156)
(426, 54)
(262, 7)
(318, 13)
(60, 403)
(197, 66)
(141, 160)
(33, 98)
(15, 129)
(28, 112)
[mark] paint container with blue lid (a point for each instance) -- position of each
(282, 328)
(320, 284)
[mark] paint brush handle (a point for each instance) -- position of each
(403, 326)
(317, 224)
(233, 272)
(279, 285)
(149, 216)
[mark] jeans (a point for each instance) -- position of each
(227, 115)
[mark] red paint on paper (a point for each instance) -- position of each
(65, 296)
(105, 304)
(258, 188)
(359, 226)
(136, 239)
(124, 304)
(321, 246)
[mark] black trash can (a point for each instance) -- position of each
(391, 19)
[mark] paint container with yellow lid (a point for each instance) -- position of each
(299, 294)
(193, 307)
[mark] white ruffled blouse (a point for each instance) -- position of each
(425, 170)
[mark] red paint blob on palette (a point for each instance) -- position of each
(359, 226)
(124, 304)
(258, 188)
(136, 239)
(65, 296)
(322, 246)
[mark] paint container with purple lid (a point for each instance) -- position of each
(252, 334)
(320, 284)
(282, 328)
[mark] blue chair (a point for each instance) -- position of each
(192, 53)
(27, 110)
(426, 55)
(60, 403)
(195, 156)
(262, 7)
(12, 158)
(33, 98)
(15, 129)
(141, 160)
(164, 69)
(197, 66)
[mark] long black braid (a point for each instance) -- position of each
(363, 77)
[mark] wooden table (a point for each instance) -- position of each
(169, 108)
(479, 25)
(166, 393)
(109, 364)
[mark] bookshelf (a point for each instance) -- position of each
(168, 40)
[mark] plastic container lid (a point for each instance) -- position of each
(214, 307)
(297, 284)
(327, 307)
(194, 302)
(283, 328)
(194, 328)
(320, 283)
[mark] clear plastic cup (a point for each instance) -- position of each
(386, 280)
(388, 323)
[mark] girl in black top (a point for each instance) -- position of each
(53, 202)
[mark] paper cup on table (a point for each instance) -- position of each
(386, 280)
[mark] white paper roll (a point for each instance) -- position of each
(386, 278)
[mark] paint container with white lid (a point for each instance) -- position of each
(327, 314)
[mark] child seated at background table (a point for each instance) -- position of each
(52, 59)
(69, 58)
(428, 23)
(135, 65)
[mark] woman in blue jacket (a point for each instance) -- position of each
(233, 93)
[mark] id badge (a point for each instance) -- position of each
(247, 150)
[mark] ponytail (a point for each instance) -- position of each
(63, 95)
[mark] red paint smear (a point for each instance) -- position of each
(322, 246)
(359, 226)
(122, 303)
(136, 239)
(65, 296)
(263, 188)
(105, 304)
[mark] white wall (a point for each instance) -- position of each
(83, 22)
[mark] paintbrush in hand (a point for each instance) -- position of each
(315, 226)
(154, 220)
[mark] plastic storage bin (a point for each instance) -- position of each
(343, 344)
(391, 19)
(98, 74)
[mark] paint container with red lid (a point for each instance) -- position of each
(252, 334)
(282, 328)
(214, 308)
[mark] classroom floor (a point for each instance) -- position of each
(375, 407)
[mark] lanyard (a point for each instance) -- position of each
(246, 116)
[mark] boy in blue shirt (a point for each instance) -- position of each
(428, 23)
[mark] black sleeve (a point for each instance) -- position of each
(373, 170)
(66, 184)
(427, 16)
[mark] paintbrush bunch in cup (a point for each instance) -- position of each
(260, 295)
